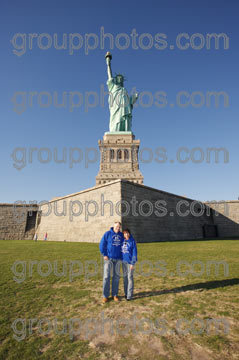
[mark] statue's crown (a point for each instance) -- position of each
(120, 75)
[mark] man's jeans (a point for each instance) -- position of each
(111, 266)
(128, 280)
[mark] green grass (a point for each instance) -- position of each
(168, 298)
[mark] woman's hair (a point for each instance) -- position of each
(127, 230)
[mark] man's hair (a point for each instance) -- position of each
(117, 222)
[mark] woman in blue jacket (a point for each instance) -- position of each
(129, 258)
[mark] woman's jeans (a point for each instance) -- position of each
(128, 280)
(111, 266)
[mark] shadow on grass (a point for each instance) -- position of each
(198, 286)
(235, 238)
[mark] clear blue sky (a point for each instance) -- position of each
(152, 70)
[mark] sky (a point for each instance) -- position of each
(165, 51)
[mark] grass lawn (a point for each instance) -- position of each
(48, 315)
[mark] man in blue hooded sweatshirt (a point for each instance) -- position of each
(110, 248)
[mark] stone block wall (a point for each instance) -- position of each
(83, 216)
(17, 222)
(148, 226)
(226, 217)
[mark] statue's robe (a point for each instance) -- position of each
(120, 105)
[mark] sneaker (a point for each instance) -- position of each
(116, 298)
(105, 300)
(128, 299)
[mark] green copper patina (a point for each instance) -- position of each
(120, 103)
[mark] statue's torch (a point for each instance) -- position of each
(108, 57)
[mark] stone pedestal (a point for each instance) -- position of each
(119, 158)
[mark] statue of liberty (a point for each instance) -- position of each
(120, 103)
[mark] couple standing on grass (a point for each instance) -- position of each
(118, 248)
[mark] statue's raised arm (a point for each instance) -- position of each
(108, 58)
